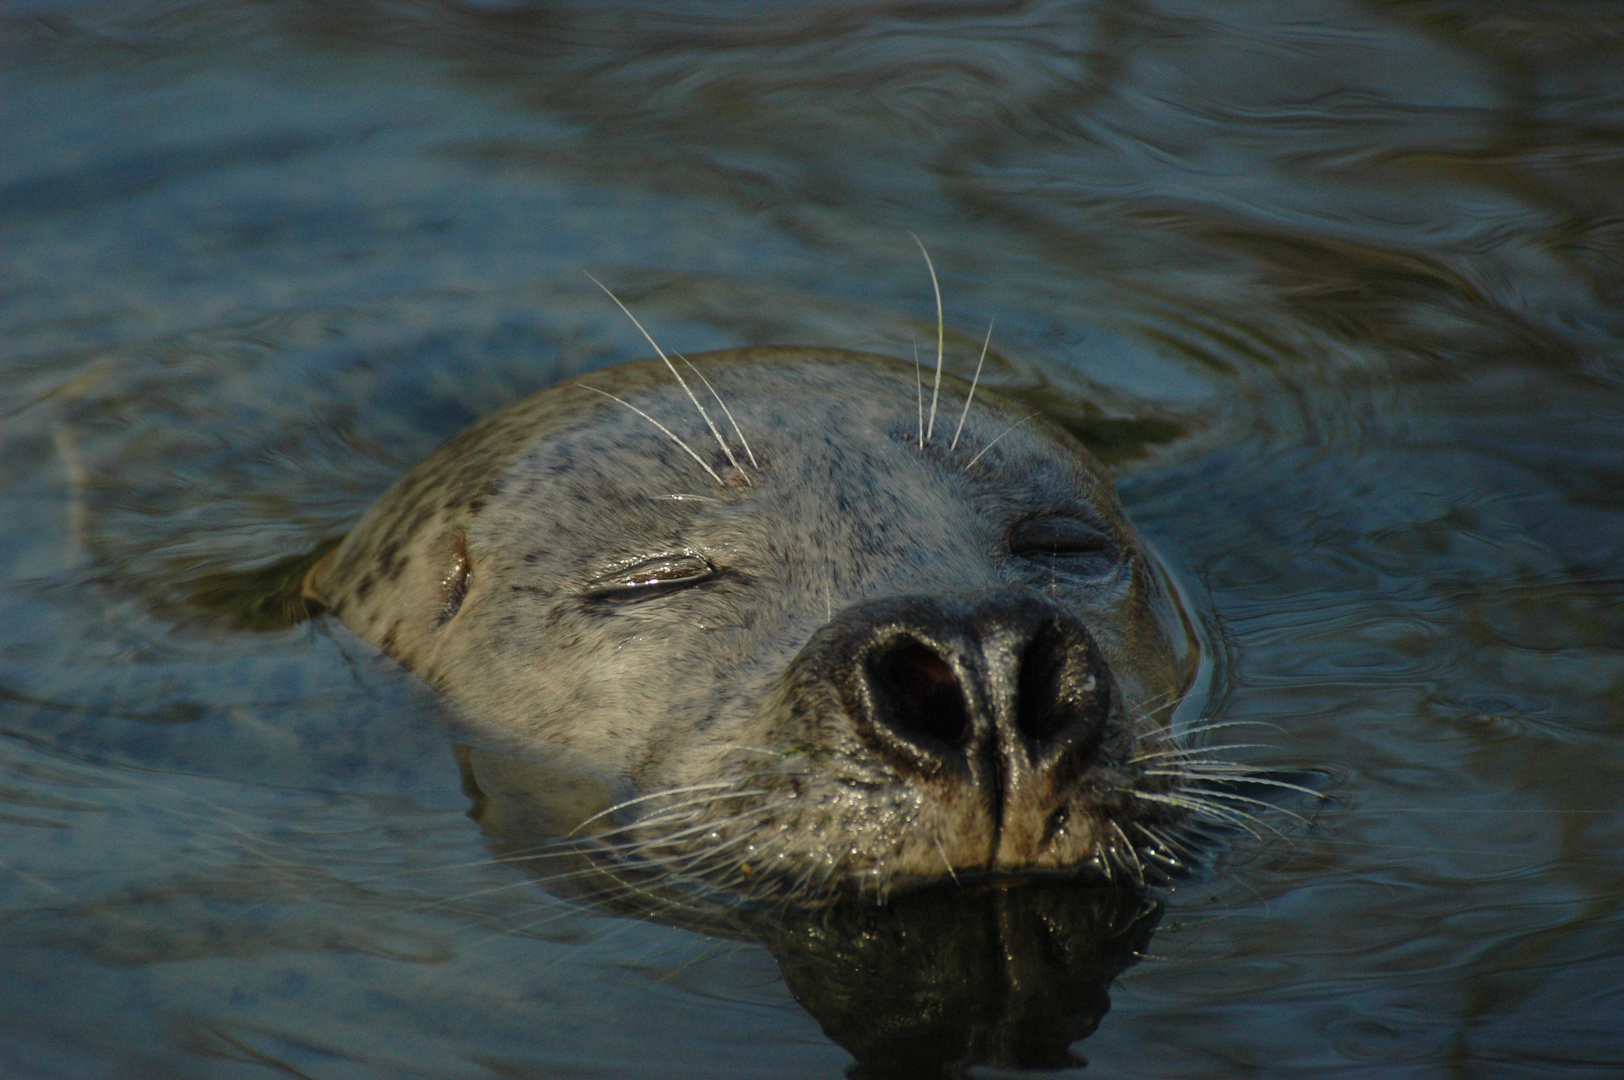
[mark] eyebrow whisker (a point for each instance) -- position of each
(680, 382)
(936, 387)
(994, 442)
(973, 384)
(919, 391)
(729, 412)
(674, 438)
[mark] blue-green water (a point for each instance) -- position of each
(1356, 270)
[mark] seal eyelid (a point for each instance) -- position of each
(648, 578)
(1062, 535)
(454, 586)
(1072, 545)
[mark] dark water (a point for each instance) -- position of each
(1337, 287)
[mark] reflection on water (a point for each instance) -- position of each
(1336, 288)
(925, 986)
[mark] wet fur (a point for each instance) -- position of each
(832, 501)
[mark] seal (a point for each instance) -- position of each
(809, 639)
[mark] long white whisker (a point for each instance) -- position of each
(717, 435)
(973, 383)
(919, 392)
(702, 463)
(1176, 847)
(729, 412)
(1229, 798)
(700, 826)
(936, 388)
(1215, 772)
(1202, 807)
(942, 851)
(1130, 854)
(1202, 727)
(1188, 752)
(994, 442)
(1152, 704)
(664, 793)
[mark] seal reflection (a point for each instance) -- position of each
(1006, 974)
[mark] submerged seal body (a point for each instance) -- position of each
(813, 641)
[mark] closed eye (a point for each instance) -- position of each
(1066, 545)
(648, 578)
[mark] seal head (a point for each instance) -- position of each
(808, 650)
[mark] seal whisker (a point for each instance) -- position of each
(919, 392)
(994, 442)
(1227, 798)
(1206, 801)
(936, 838)
(695, 863)
(444, 902)
(699, 855)
(1130, 856)
(661, 794)
(680, 808)
(726, 411)
(1231, 770)
(763, 750)
(628, 833)
(522, 855)
(711, 824)
(974, 382)
(1187, 752)
(1102, 859)
(658, 829)
(680, 380)
(1202, 727)
(1156, 836)
(703, 794)
(936, 387)
(662, 427)
(1154, 704)
(1203, 807)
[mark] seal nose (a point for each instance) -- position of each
(993, 689)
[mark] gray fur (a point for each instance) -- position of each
(552, 496)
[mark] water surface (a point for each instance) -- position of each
(1338, 289)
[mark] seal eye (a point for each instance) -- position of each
(649, 578)
(454, 586)
(1066, 545)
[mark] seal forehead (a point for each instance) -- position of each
(843, 476)
(807, 465)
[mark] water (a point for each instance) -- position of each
(1336, 287)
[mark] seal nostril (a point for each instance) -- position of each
(1038, 712)
(918, 694)
(1062, 687)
